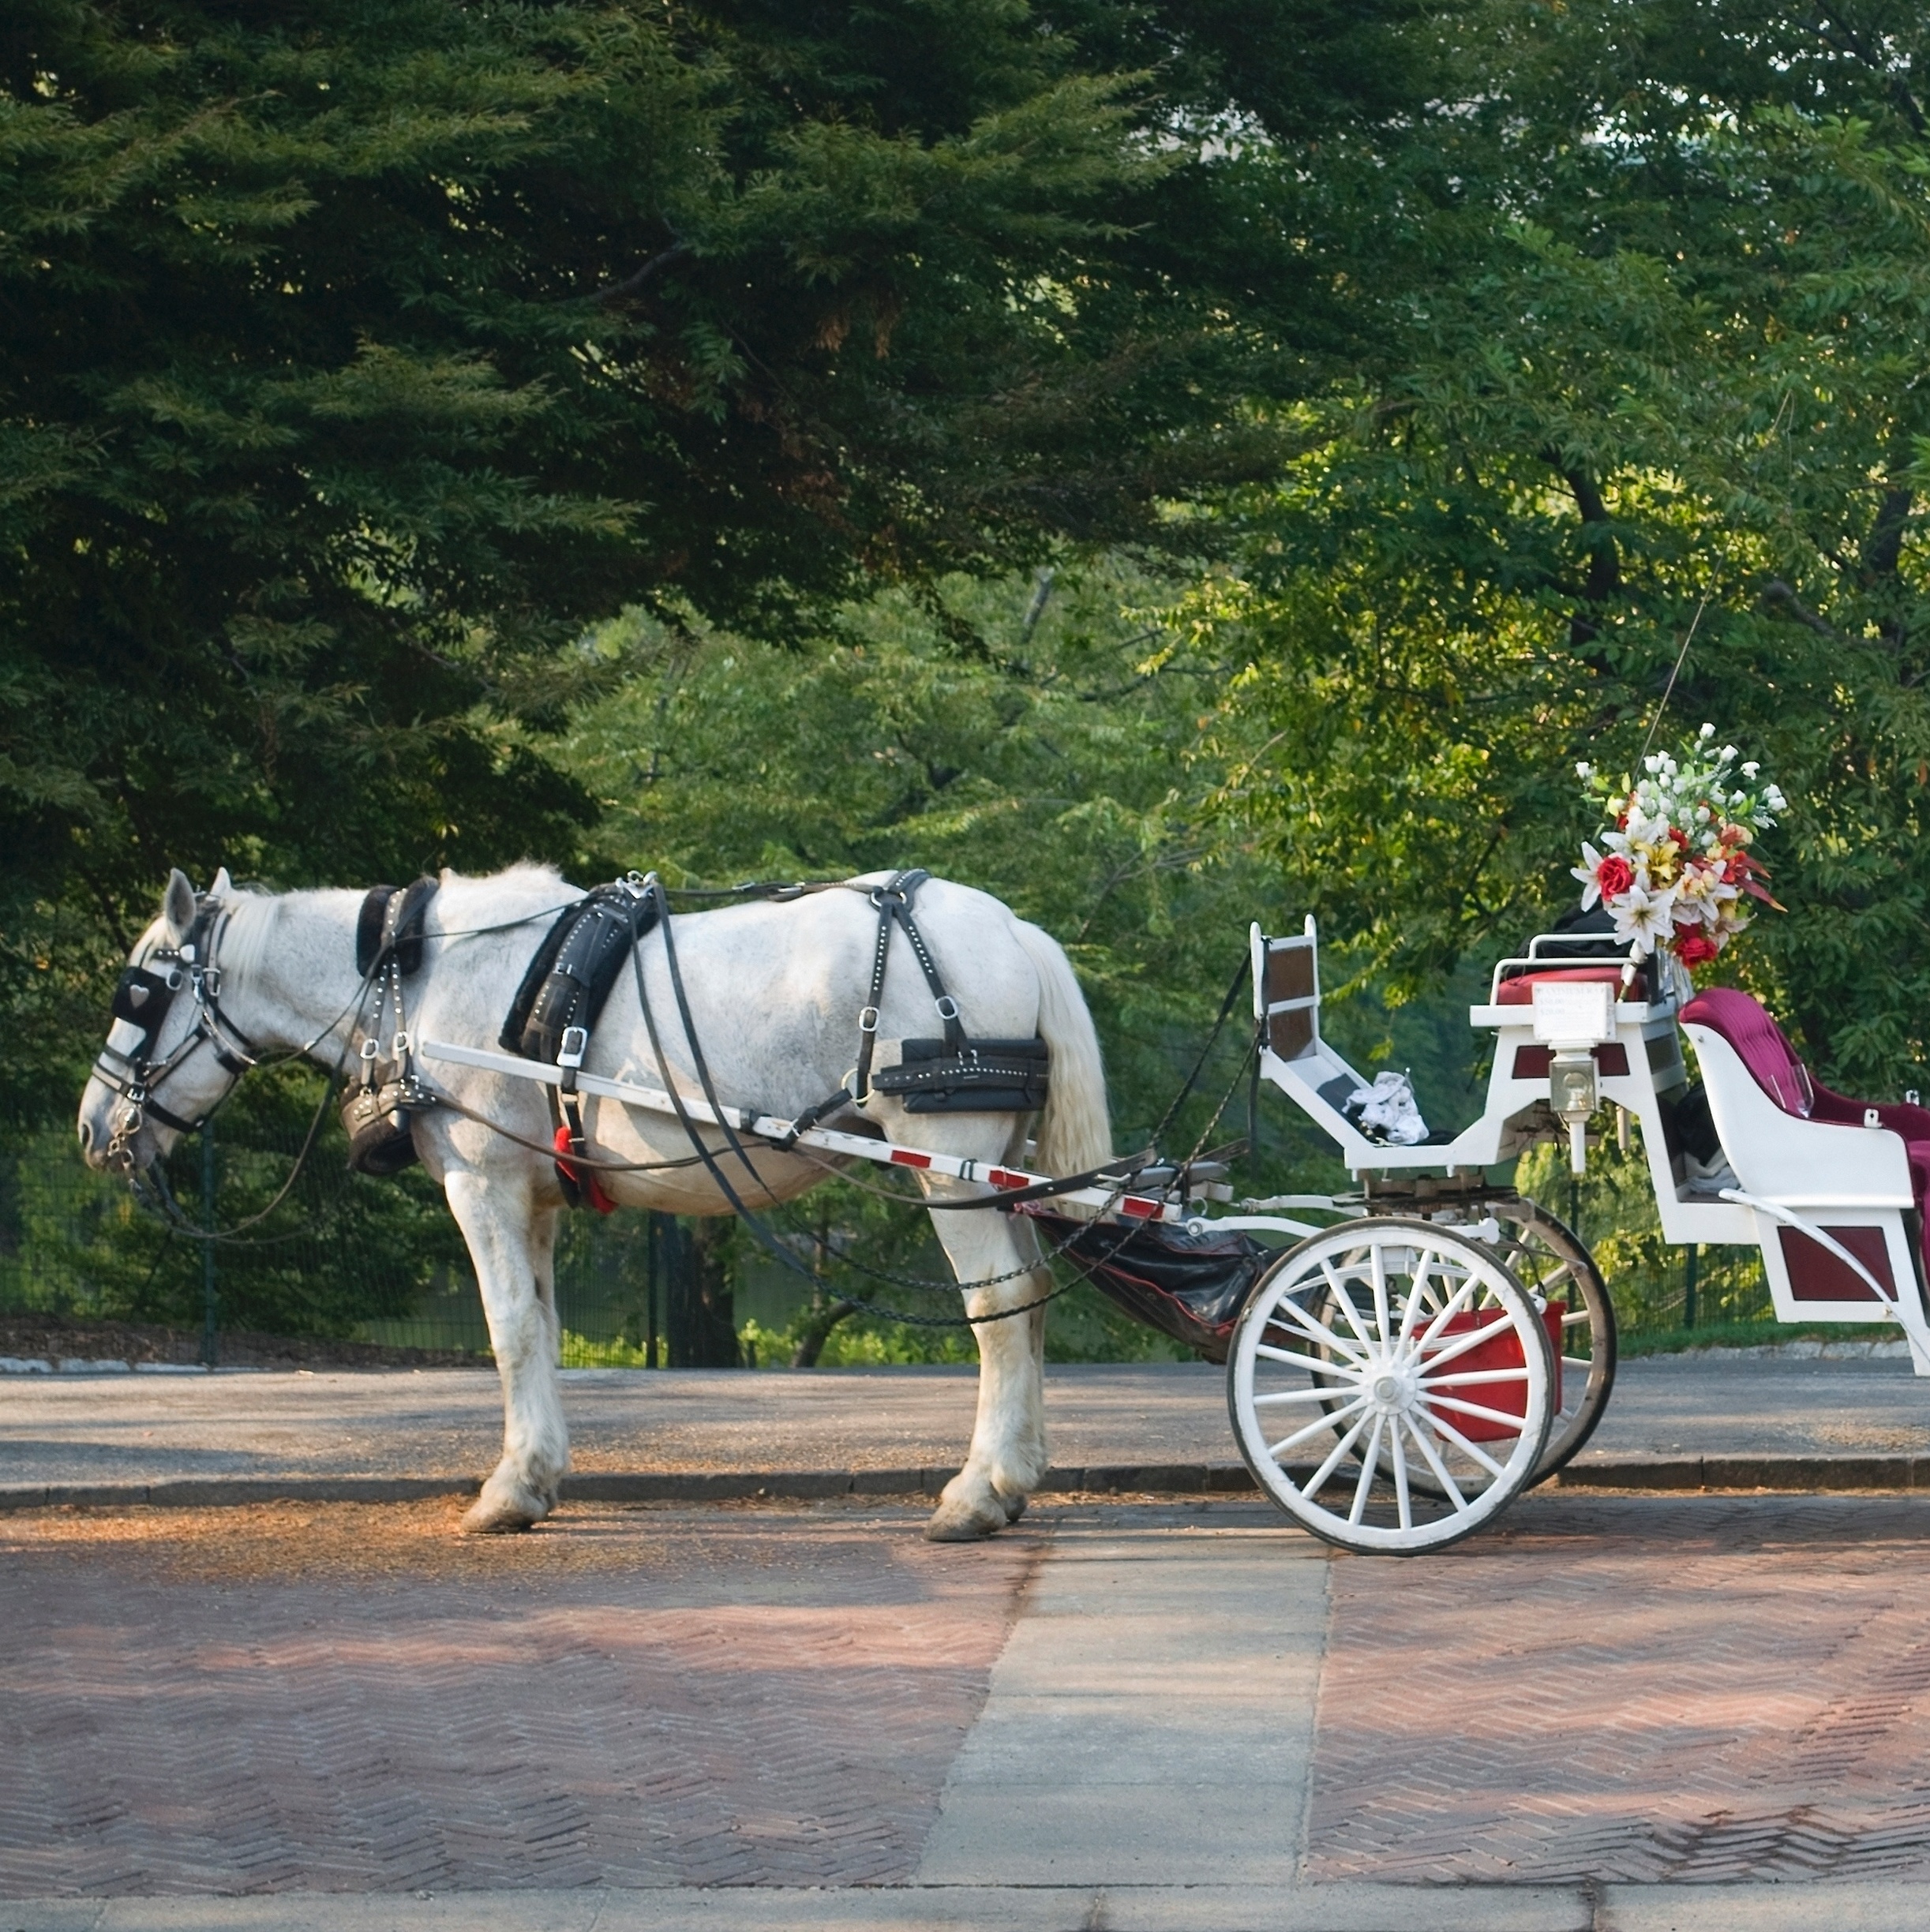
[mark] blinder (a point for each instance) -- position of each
(144, 997)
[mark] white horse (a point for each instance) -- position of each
(774, 990)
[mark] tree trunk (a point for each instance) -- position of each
(700, 1322)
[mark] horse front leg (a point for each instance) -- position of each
(510, 1240)
(1008, 1456)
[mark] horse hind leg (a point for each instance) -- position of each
(508, 1240)
(1008, 1457)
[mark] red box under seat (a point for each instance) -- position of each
(1503, 1352)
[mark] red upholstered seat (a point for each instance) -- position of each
(1760, 1044)
(1521, 992)
(1762, 1048)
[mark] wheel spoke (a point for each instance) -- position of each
(1404, 1504)
(1512, 1423)
(1474, 1378)
(1380, 1320)
(1297, 1361)
(1278, 1449)
(1299, 1396)
(1421, 1289)
(1366, 1473)
(1333, 1460)
(1460, 1442)
(1474, 1338)
(1346, 1305)
(1449, 1309)
(1317, 1332)
(1434, 1462)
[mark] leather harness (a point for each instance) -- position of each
(144, 997)
(572, 971)
(378, 1111)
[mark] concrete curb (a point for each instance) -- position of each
(1794, 1473)
(1667, 1475)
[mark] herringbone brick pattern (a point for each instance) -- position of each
(338, 1699)
(1703, 1689)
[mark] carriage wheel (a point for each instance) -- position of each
(1551, 1261)
(1381, 1352)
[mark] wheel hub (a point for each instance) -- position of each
(1391, 1386)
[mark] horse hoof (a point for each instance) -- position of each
(488, 1519)
(1014, 1506)
(964, 1525)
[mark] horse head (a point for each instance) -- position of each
(170, 1055)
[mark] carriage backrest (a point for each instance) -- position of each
(1760, 1044)
(1286, 991)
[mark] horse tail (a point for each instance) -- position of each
(1075, 1134)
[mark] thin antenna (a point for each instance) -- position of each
(1668, 689)
(1041, 591)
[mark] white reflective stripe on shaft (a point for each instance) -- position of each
(824, 1140)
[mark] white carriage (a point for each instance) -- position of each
(1400, 1370)
(1395, 1380)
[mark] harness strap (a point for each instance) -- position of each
(894, 901)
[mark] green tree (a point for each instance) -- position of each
(360, 352)
(1668, 379)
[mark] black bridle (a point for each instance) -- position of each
(144, 997)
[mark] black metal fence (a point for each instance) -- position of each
(377, 1266)
(374, 1266)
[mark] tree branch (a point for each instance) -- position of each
(630, 284)
(1776, 591)
(1604, 558)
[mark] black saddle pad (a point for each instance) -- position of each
(987, 1076)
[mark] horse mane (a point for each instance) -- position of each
(255, 912)
(253, 916)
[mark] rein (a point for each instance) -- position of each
(778, 1252)
(145, 999)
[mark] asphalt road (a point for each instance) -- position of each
(73, 1429)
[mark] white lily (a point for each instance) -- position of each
(1644, 918)
(1591, 890)
(1696, 895)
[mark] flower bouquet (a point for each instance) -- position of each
(1675, 873)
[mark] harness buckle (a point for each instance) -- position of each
(575, 1044)
(211, 981)
(371, 1048)
(402, 1046)
(868, 1019)
(947, 1006)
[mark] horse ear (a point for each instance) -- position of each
(222, 884)
(177, 906)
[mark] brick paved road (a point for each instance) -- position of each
(1634, 1690)
(341, 1700)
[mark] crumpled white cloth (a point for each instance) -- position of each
(1386, 1111)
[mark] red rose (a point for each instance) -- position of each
(1614, 875)
(1695, 949)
